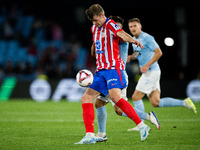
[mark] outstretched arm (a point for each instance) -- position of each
(127, 38)
(157, 55)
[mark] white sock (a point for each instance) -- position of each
(101, 134)
(89, 134)
(148, 117)
(141, 124)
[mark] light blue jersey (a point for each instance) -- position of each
(123, 53)
(145, 55)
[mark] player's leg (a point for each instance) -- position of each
(141, 114)
(123, 95)
(92, 92)
(129, 111)
(115, 82)
(88, 115)
(144, 116)
(139, 107)
(142, 88)
(154, 98)
(138, 102)
(101, 119)
(118, 111)
(137, 99)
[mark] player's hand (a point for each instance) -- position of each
(128, 59)
(144, 69)
(138, 44)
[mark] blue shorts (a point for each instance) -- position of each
(105, 80)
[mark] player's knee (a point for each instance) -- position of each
(155, 104)
(154, 101)
(83, 99)
(134, 98)
(115, 99)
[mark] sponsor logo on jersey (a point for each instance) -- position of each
(97, 44)
(115, 26)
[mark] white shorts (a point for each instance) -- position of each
(123, 93)
(149, 82)
(107, 98)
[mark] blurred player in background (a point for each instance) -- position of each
(149, 82)
(109, 77)
(101, 101)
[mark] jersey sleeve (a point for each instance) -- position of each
(152, 44)
(114, 27)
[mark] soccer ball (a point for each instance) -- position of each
(84, 78)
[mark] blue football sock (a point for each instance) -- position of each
(139, 106)
(123, 114)
(170, 102)
(141, 114)
(101, 118)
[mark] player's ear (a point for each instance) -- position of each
(140, 26)
(102, 14)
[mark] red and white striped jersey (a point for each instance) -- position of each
(107, 46)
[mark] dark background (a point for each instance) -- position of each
(161, 19)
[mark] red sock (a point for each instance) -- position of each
(128, 110)
(88, 117)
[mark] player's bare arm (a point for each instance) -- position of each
(127, 38)
(93, 50)
(157, 55)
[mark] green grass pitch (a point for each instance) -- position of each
(27, 125)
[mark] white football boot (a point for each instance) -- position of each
(87, 140)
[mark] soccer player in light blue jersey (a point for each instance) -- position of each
(149, 82)
(101, 101)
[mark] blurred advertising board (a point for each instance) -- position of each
(41, 90)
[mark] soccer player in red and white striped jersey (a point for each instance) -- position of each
(107, 46)
(108, 77)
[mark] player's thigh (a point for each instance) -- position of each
(89, 95)
(99, 103)
(115, 94)
(154, 97)
(137, 95)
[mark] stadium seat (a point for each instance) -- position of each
(22, 54)
(42, 45)
(12, 50)
(81, 59)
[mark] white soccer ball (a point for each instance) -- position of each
(84, 78)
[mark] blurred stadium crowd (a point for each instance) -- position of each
(30, 46)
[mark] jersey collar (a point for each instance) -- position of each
(139, 35)
(104, 23)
